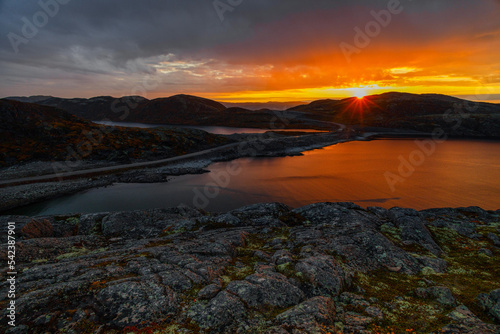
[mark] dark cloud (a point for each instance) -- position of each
(128, 38)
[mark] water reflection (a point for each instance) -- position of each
(459, 173)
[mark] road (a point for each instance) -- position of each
(112, 169)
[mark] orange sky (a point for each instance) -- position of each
(261, 51)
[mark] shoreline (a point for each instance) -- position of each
(21, 194)
(16, 193)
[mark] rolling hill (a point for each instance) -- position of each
(425, 113)
(32, 132)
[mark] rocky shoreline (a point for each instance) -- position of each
(259, 145)
(264, 268)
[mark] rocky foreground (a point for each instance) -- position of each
(322, 268)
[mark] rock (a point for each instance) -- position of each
(379, 212)
(374, 312)
(91, 223)
(464, 321)
(266, 289)
(132, 303)
(262, 268)
(228, 219)
(265, 214)
(19, 329)
(486, 251)
(37, 229)
(438, 265)
(494, 238)
(209, 292)
(276, 330)
(324, 276)
(366, 249)
(397, 213)
(352, 299)
(314, 311)
(144, 224)
(221, 314)
(329, 213)
(357, 321)
(281, 257)
(495, 295)
(413, 230)
(176, 280)
(490, 303)
(441, 294)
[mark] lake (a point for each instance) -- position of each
(218, 130)
(458, 173)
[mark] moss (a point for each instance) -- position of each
(76, 252)
(392, 233)
(469, 273)
(170, 231)
(404, 312)
(255, 241)
(239, 273)
(39, 261)
(426, 271)
(71, 219)
(287, 269)
(490, 228)
(158, 243)
(455, 244)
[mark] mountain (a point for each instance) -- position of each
(262, 105)
(174, 110)
(30, 132)
(29, 99)
(96, 108)
(178, 109)
(425, 112)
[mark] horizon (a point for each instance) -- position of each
(496, 99)
(251, 52)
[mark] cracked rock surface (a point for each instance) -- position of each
(264, 268)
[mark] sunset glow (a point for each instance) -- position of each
(289, 54)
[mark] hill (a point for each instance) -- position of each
(174, 110)
(263, 105)
(424, 112)
(32, 132)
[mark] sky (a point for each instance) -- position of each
(250, 50)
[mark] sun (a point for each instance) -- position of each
(360, 93)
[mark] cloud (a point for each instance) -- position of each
(92, 46)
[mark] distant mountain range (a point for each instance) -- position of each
(175, 110)
(425, 112)
(264, 105)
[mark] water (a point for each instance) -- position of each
(219, 130)
(458, 173)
